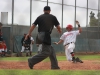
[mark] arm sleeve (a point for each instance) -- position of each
(36, 22)
(77, 32)
(56, 21)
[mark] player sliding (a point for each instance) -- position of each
(69, 38)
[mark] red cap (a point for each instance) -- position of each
(69, 26)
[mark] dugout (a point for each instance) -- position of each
(7, 36)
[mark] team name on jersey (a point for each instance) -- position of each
(68, 34)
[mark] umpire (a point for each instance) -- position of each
(45, 24)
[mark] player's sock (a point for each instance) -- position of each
(73, 57)
(72, 54)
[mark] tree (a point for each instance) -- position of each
(93, 20)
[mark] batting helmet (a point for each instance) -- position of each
(69, 26)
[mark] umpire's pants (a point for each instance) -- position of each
(47, 50)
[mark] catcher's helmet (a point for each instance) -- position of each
(69, 26)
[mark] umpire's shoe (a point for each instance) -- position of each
(78, 60)
(30, 64)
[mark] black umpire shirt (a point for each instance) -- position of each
(46, 22)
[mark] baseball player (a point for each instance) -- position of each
(29, 50)
(5, 48)
(69, 38)
(27, 44)
(22, 40)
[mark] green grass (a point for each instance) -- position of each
(60, 58)
(13, 58)
(90, 57)
(49, 72)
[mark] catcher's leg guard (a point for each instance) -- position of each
(27, 49)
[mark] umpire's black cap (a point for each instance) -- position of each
(46, 8)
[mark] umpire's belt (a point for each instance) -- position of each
(69, 43)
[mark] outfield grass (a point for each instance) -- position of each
(49, 72)
(60, 58)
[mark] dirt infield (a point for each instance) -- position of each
(64, 65)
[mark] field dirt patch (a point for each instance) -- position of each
(64, 65)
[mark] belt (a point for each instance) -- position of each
(69, 43)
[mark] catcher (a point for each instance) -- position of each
(26, 44)
(69, 38)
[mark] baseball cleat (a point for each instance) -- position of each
(74, 60)
(78, 60)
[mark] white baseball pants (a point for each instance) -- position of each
(68, 49)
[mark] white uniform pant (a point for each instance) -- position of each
(23, 48)
(68, 49)
(1, 50)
